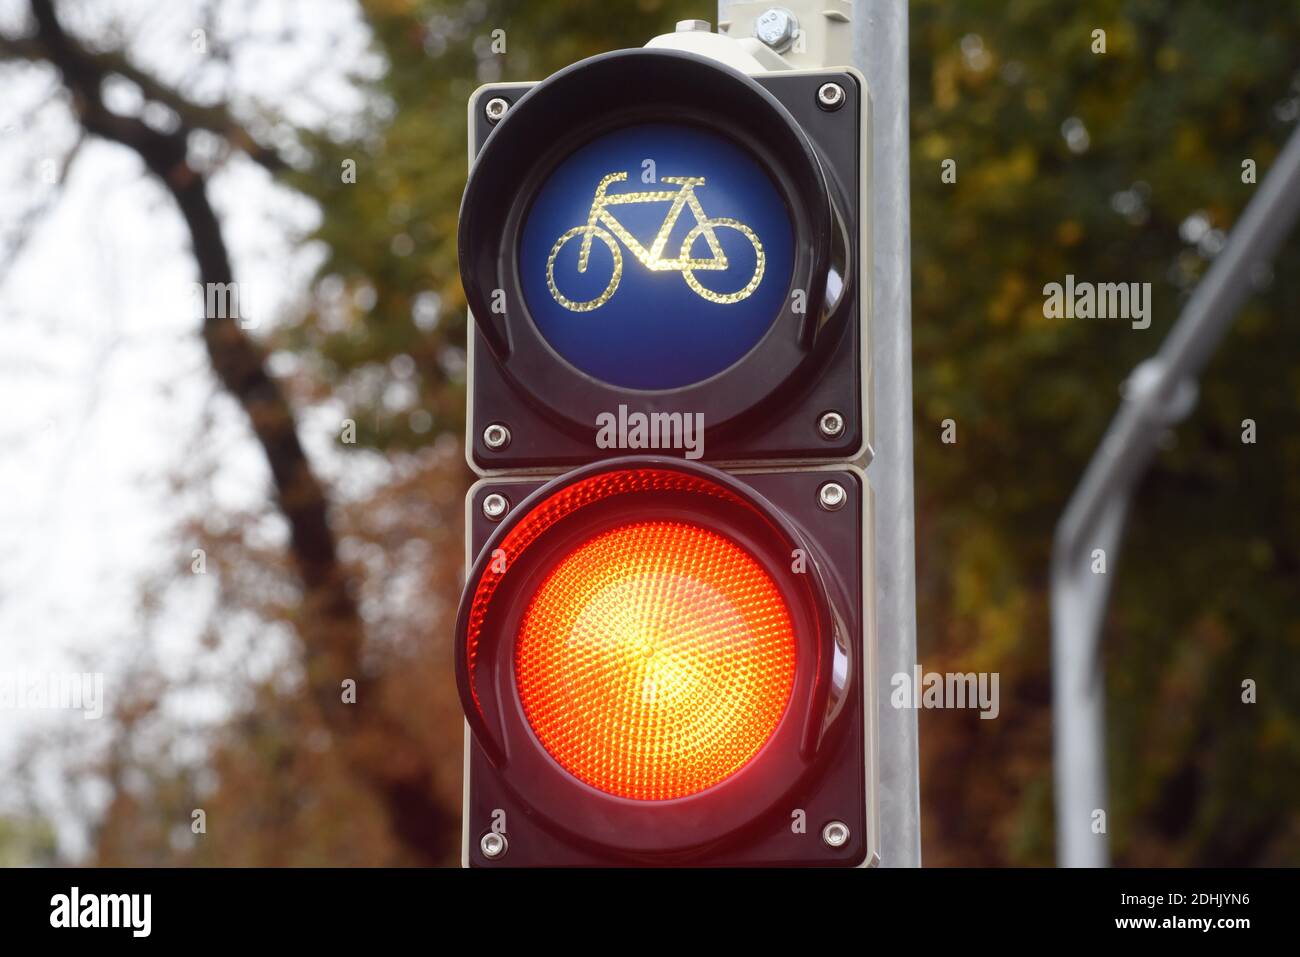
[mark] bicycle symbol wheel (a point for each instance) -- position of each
(708, 294)
(610, 289)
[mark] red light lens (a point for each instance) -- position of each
(655, 660)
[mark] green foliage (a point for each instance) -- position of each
(27, 842)
(1208, 578)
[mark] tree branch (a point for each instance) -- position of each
(380, 750)
(212, 118)
(30, 218)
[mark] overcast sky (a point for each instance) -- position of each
(105, 392)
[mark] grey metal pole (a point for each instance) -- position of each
(880, 51)
(1160, 393)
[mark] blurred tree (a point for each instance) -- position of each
(1118, 166)
(26, 842)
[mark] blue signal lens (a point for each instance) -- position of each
(656, 256)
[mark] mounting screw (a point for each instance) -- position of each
(835, 834)
(830, 96)
(831, 424)
(496, 108)
(776, 28)
(694, 26)
(496, 436)
(832, 496)
(493, 845)
(495, 506)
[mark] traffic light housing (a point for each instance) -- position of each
(664, 645)
(763, 390)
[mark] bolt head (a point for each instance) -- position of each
(835, 834)
(496, 436)
(495, 506)
(493, 845)
(694, 26)
(832, 496)
(495, 108)
(776, 27)
(830, 96)
(831, 425)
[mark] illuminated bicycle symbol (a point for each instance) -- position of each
(602, 225)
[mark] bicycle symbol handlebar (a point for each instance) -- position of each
(602, 225)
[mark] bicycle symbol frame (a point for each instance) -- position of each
(602, 225)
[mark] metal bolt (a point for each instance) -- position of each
(835, 834)
(496, 436)
(495, 506)
(831, 424)
(496, 108)
(493, 845)
(694, 26)
(832, 496)
(830, 96)
(776, 28)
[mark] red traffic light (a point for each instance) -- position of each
(639, 660)
(655, 660)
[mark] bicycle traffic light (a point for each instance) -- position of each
(653, 232)
(663, 648)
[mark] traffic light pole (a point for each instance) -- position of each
(880, 51)
(1160, 393)
(879, 32)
